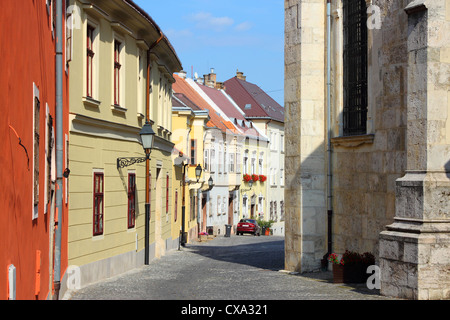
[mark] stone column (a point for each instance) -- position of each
(415, 249)
(305, 157)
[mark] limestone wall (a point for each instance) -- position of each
(305, 155)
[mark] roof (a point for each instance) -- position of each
(220, 99)
(182, 97)
(152, 22)
(216, 120)
(253, 100)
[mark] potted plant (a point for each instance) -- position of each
(338, 268)
(247, 177)
(255, 177)
(262, 178)
(265, 226)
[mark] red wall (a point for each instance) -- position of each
(27, 56)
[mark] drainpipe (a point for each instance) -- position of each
(147, 162)
(59, 146)
(329, 130)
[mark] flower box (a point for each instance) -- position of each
(351, 268)
(338, 273)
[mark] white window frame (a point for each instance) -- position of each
(95, 61)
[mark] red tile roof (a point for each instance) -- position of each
(253, 100)
(181, 86)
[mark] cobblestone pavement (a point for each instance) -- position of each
(224, 268)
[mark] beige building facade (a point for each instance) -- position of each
(367, 138)
(118, 55)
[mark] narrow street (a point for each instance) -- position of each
(225, 268)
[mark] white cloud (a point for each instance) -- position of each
(205, 20)
(243, 26)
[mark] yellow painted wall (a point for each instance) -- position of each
(101, 132)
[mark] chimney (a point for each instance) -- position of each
(219, 85)
(240, 75)
(210, 79)
(182, 74)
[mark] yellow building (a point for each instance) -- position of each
(121, 68)
(189, 122)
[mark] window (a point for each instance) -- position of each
(246, 162)
(219, 205)
(275, 210)
(141, 84)
(213, 156)
(167, 194)
(48, 156)
(131, 199)
(193, 151)
(271, 210)
(90, 61)
(231, 162)
(220, 161)
(193, 206)
(176, 206)
(281, 210)
(98, 203)
(69, 28)
(281, 177)
(282, 142)
(117, 66)
(260, 162)
(205, 160)
(36, 136)
(355, 67)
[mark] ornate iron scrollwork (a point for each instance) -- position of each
(125, 162)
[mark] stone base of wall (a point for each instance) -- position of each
(415, 266)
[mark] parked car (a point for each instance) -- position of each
(248, 226)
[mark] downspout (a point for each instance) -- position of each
(59, 146)
(147, 162)
(329, 131)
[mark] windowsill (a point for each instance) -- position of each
(90, 102)
(116, 107)
(353, 141)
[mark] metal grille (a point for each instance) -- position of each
(355, 67)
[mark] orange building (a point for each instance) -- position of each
(33, 131)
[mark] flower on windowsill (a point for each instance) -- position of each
(262, 178)
(255, 177)
(247, 177)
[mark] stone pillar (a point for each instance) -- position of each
(305, 157)
(415, 249)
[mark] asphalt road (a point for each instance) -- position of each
(225, 268)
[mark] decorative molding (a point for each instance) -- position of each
(415, 6)
(121, 28)
(89, 102)
(353, 141)
(94, 10)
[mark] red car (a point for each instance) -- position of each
(248, 226)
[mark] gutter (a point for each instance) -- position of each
(329, 147)
(59, 146)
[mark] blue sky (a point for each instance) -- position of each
(226, 35)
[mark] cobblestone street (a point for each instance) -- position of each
(224, 268)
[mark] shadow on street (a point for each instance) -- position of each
(259, 252)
